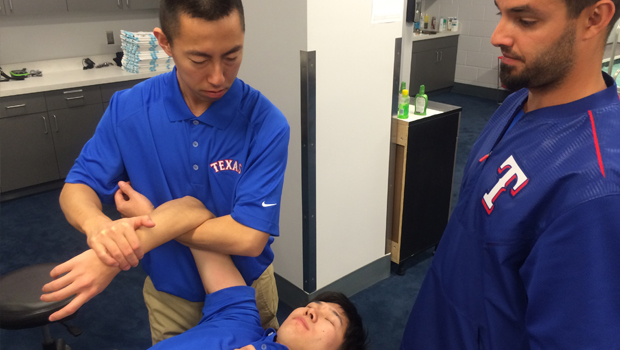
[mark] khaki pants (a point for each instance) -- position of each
(170, 315)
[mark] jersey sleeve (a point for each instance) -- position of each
(259, 191)
(100, 164)
(234, 304)
(571, 279)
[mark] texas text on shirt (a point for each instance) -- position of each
(232, 158)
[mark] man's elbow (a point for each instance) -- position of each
(255, 246)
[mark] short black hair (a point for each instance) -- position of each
(210, 10)
(575, 7)
(355, 336)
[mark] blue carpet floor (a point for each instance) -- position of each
(33, 230)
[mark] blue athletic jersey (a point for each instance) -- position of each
(529, 258)
(230, 320)
(232, 158)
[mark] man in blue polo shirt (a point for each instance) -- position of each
(529, 258)
(196, 131)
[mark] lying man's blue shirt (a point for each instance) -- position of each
(230, 320)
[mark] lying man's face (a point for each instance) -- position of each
(319, 325)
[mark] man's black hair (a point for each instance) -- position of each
(210, 10)
(355, 337)
(575, 7)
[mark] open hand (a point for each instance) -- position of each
(86, 276)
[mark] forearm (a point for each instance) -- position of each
(82, 207)
(172, 219)
(225, 235)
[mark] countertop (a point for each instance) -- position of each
(433, 108)
(65, 74)
(418, 37)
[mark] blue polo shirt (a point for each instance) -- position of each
(230, 320)
(232, 158)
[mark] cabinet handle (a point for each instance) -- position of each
(73, 98)
(11, 5)
(127, 3)
(440, 56)
(56, 122)
(118, 3)
(437, 56)
(72, 91)
(16, 106)
(45, 124)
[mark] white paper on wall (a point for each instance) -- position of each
(386, 11)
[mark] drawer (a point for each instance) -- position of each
(107, 90)
(12, 106)
(435, 44)
(67, 98)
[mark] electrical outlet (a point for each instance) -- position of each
(110, 35)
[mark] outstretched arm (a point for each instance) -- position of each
(217, 271)
(86, 275)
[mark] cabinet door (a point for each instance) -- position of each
(72, 128)
(141, 4)
(28, 7)
(100, 5)
(26, 152)
(447, 67)
(425, 67)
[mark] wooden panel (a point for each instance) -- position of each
(399, 188)
(400, 132)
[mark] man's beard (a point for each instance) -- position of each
(547, 70)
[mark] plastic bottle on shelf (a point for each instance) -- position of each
(421, 102)
(403, 105)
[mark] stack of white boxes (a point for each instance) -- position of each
(142, 53)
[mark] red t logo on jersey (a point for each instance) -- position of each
(513, 172)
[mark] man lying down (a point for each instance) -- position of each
(230, 318)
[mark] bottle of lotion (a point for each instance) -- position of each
(421, 102)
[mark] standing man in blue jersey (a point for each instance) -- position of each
(196, 131)
(529, 258)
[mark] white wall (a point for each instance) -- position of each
(476, 62)
(355, 64)
(276, 32)
(38, 38)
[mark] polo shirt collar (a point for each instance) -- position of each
(219, 114)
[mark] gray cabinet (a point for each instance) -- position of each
(42, 134)
(27, 155)
(71, 129)
(433, 63)
(111, 5)
(29, 7)
(141, 4)
(95, 6)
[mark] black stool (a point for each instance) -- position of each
(21, 306)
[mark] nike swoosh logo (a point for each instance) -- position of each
(268, 205)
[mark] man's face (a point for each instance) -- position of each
(317, 326)
(207, 55)
(537, 40)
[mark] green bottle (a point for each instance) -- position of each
(421, 102)
(403, 105)
(403, 86)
